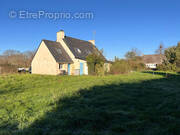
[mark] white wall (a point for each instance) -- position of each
(43, 62)
(151, 65)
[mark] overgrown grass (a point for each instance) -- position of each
(133, 104)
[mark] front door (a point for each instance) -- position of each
(68, 69)
(81, 68)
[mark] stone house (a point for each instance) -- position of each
(66, 55)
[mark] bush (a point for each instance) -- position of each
(8, 68)
(100, 69)
(120, 67)
(136, 65)
(166, 66)
(172, 61)
(178, 70)
(95, 64)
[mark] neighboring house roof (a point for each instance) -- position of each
(156, 58)
(58, 52)
(80, 48)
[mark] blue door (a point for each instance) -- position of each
(81, 68)
(68, 69)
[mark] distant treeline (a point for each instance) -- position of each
(11, 60)
(133, 61)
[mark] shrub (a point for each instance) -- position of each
(100, 69)
(178, 70)
(8, 68)
(120, 67)
(172, 61)
(95, 64)
(166, 66)
(136, 65)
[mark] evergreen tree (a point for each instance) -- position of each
(178, 55)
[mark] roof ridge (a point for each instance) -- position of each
(77, 39)
(151, 54)
(49, 40)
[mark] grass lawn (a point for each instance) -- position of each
(134, 104)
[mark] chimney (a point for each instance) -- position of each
(60, 35)
(92, 42)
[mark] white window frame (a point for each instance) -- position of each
(60, 66)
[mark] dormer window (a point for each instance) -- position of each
(59, 50)
(78, 50)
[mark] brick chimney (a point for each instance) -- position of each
(92, 41)
(60, 35)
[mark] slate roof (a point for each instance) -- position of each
(58, 52)
(156, 59)
(81, 48)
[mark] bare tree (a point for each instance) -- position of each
(133, 53)
(10, 52)
(160, 51)
(29, 56)
(12, 59)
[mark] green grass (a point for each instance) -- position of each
(134, 104)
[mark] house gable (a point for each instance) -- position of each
(43, 61)
(42, 49)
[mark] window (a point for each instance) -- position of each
(59, 50)
(78, 50)
(60, 66)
